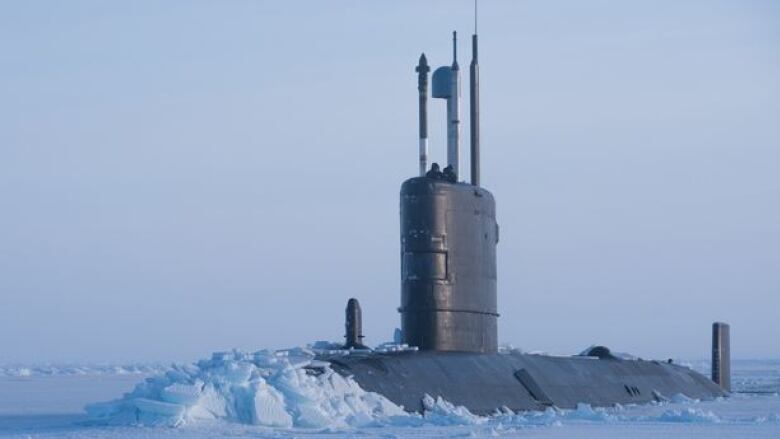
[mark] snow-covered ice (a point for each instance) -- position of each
(290, 394)
(282, 389)
(12, 370)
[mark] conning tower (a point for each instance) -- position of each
(448, 239)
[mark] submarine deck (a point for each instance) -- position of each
(486, 382)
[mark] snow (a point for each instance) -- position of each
(79, 369)
(441, 412)
(688, 415)
(289, 394)
(274, 389)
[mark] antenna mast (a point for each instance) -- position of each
(422, 87)
(453, 111)
(474, 103)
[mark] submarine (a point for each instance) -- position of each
(449, 312)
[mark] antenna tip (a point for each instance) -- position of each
(475, 17)
(422, 67)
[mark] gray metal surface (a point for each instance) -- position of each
(721, 355)
(453, 112)
(353, 325)
(442, 82)
(485, 382)
(446, 85)
(474, 108)
(448, 257)
(422, 70)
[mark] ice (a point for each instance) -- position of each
(688, 415)
(290, 394)
(508, 348)
(441, 412)
(394, 347)
(289, 389)
(11, 370)
(185, 394)
(268, 407)
(275, 389)
(683, 399)
(585, 412)
(158, 408)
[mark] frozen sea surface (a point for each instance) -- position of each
(49, 402)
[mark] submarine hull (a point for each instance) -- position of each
(484, 383)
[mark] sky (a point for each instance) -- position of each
(183, 177)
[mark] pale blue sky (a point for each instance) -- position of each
(178, 177)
